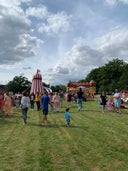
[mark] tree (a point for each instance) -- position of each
(58, 88)
(110, 76)
(46, 85)
(95, 75)
(18, 84)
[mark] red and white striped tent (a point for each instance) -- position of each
(37, 85)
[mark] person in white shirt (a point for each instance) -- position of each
(25, 100)
(117, 101)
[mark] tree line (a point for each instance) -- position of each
(112, 75)
(21, 83)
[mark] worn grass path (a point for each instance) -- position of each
(93, 142)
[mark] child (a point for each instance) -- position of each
(51, 102)
(110, 105)
(67, 116)
(17, 102)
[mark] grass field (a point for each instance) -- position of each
(93, 142)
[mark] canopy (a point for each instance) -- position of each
(37, 85)
(47, 89)
(81, 87)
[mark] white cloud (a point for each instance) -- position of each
(56, 23)
(114, 2)
(39, 12)
(26, 24)
(81, 58)
(16, 43)
(59, 70)
(111, 2)
(27, 68)
(76, 64)
(114, 44)
(12, 3)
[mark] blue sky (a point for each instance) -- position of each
(64, 39)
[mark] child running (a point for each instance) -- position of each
(67, 116)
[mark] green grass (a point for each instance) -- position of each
(93, 142)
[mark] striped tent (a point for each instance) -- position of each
(37, 85)
(47, 89)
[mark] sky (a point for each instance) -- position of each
(64, 39)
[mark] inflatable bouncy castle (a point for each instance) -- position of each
(89, 88)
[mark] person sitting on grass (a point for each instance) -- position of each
(67, 116)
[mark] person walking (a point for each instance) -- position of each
(61, 94)
(67, 116)
(32, 100)
(17, 102)
(80, 95)
(37, 100)
(117, 101)
(1, 101)
(45, 99)
(56, 101)
(51, 95)
(7, 104)
(25, 100)
(103, 101)
(69, 99)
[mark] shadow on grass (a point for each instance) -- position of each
(48, 125)
(13, 114)
(7, 122)
(90, 110)
(8, 119)
(75, 126)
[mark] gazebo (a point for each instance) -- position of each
(37, 85)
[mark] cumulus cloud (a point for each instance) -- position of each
(16, 43)
(76, 63)
(49, 22)
(114, 44)
(83, 55)
(13, 3)
(59, 70)
(81, 58)
(38, 12)
(114, 2)
(55, 23)
(27, 68)
(24, 24)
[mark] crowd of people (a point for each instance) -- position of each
(113, 102)
(45, 102)
(51, 102)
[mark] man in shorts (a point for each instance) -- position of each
(117, 101)
(45, 99)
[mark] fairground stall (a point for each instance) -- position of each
(89, 88)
